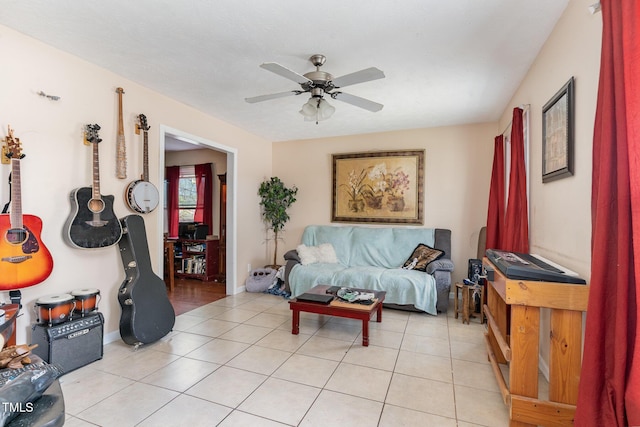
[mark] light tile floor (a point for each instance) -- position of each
(234, 362)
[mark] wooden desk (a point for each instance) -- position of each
(513, 317)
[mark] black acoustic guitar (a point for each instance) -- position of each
(92, 223)
(147, 313)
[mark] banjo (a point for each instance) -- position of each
(142, 196)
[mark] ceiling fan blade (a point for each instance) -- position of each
(361, 76)
(272, 96)
(357, 101)
(285, 72)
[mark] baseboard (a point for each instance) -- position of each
(111, 337)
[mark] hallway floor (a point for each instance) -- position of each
(189, 294)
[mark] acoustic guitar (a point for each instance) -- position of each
(24, 260)
(92, 223)
(141, 195)
(147, 314)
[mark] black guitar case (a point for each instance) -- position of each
(147, 313)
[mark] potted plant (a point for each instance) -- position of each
(275, 199)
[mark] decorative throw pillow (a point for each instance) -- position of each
(421, 257)
(327, 254)
(313, 254)
(307, 254)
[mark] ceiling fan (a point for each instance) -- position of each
(320, 83)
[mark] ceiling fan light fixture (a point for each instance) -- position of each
(309, 109)
(317, 109)
(325, 110)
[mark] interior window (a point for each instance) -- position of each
(187, 194)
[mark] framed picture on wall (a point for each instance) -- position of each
(557, 134)
(378, 187)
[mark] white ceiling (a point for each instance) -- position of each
(446, 62)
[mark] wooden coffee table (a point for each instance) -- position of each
(339, 309)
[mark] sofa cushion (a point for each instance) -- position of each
(422, 256)
(323, 253)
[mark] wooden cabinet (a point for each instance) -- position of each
(197, 259)
(513, 337)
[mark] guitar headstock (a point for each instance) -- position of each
(91, 133)
(142, 122)
(13, 149)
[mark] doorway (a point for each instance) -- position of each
(172, 136)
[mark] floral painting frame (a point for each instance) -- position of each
(378, 187)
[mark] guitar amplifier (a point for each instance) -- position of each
(71, 344)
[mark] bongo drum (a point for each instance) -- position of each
(86, 300)
(54, 309)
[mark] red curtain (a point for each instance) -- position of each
(172, 174)
(516, 227)
(609, 392)
(204, 188)
(495, 214)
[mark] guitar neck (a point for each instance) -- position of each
(145, 165)
(95, 188)
(16, 197)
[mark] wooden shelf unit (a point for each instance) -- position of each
(513, 337)
(205, 252)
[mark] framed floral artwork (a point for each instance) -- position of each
(378, 187)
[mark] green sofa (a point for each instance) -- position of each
(371, 258)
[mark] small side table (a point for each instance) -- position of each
(468, 303)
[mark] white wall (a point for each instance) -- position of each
(57, 162)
